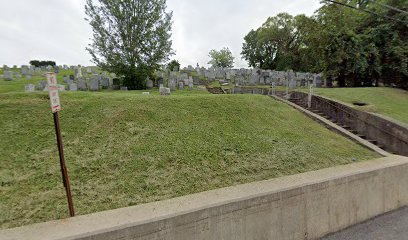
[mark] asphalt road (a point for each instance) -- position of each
(391, 226)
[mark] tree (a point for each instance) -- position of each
(276, 44)
(38, 63)
(222, 58)
(130, 37)
(173, 64)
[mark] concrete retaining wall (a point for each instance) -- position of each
(393, 136)
(304, 206)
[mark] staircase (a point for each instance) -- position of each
(215, 90)
(300, 102)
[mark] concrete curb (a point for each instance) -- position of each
(337, 128)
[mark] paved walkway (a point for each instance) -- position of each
(391, 226)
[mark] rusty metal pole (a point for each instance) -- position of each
(64, 172)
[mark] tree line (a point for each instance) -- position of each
(356, 42)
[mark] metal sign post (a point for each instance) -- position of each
(309, 99)
(55, 108)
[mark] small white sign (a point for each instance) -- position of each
(53, 92)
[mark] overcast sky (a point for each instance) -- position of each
(56, 29)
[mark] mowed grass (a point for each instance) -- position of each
(124, 149)
(389, 102)
(17, 85)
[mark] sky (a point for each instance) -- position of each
(56, 29)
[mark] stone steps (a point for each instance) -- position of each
(342, 125)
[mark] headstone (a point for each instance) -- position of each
(94, 84)
(149, 84)
(254, 79)
(172, 84)
(30, 88)
(292, 83)
(104, 82)
(28, 77)
(160, 81)
(196, 80)
(181, 85)
(146, 93)
(82, 86)
(164, 91)
(24, 69)
(42, 85)
(8, 75)
(318, 80)
(228, 75)
(190, 86)
(123, 88)
(73, 87)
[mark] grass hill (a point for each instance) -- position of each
(124, 148)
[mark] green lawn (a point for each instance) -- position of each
(390, 102)
(17, 85)
(124, 148)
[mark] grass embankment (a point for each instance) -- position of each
(124, 149)
(389, 102)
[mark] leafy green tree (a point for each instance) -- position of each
(222, 58)
(276, 44)
(130, 37)
(38, 63)
(173, 64)
(391, 38)
(360, 45)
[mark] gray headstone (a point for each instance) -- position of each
(24, 70)
(8, 75)
(172, 84)
(149, 84)
(30, 88)
(82, 86)
(104, 82)
(94, 85)
(181, 85)
(72, 87)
